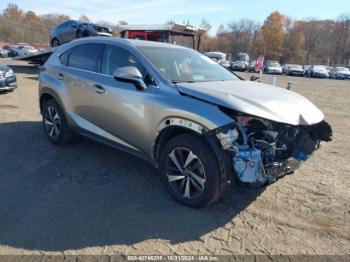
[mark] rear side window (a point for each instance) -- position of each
(64, 57)
(64, 25)
(84, 57)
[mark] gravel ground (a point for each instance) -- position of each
(87, 198)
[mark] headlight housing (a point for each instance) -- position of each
(9, 73)
(227, 138)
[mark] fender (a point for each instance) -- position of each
(178, 121)
(49, 91)
(224, 157)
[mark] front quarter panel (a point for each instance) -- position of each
(194, 112)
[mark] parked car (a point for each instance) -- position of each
(180, 110)
(306, 68)
(71, 29)
(8, 80)
(285, 68)
(3, 53)
(11, 50)
(339, 72)
(328, 68)
(23, 50)
(240, 63)
(317, 71)
(219, 57)
(293, 70)
(251, 67)
(273, 67)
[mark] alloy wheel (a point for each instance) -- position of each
(52, 122)
(185, 173)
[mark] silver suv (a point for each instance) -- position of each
(200, 124)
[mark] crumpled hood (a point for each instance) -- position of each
(266, 101)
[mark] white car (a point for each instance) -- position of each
(24, 50)
(273, 67)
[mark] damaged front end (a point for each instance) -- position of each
(262, 150)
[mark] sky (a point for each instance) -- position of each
(160, 11)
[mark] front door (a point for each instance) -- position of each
(122, 110)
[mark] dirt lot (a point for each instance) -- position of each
(87, 198)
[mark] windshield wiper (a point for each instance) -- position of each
(178, 81)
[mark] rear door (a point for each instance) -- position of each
(71, 31)
(79, 76)
(61, 32)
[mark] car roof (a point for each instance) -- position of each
(130, 42)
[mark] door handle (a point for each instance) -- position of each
(60, 76)
(99, 89)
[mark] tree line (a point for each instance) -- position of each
(278, 38)
(17, 25)
(284, 39)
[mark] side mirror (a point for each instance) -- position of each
(130, 74)
(254, 78)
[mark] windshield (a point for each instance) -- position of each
(342, 69)
(242, 57)
(218, 56)
(296, 66)
(185, 65)
(274, 64)
(29, 47)
(321, 68)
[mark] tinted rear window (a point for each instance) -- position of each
(84, 57)
(64, 57)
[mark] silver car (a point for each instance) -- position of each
(202, 126)
(8, 81)
(339, 72)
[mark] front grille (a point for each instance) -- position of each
(2, 74)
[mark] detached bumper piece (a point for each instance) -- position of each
(250, 169)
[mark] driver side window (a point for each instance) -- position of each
(114, 57)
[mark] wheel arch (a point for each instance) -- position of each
(169, 129)
(47, 94)
(172, 127)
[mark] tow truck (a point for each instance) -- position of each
(186, 35)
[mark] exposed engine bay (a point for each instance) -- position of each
(263, 150)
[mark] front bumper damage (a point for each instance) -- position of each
(258, 162)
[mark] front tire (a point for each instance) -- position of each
(190, 171)
(55, 123)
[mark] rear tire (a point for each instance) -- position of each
(190, 171)
(55, 124)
